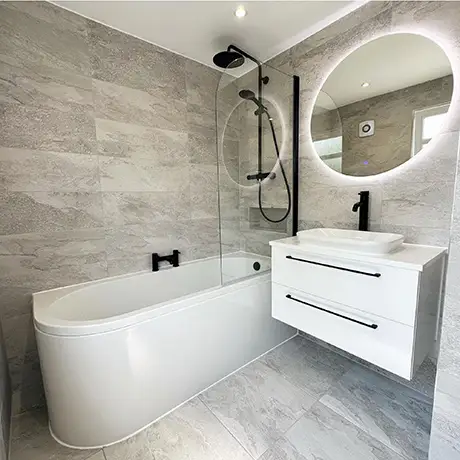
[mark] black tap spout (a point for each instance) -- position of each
(173, 259)
(363, 206)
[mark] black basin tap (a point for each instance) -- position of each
(363, 206)
(173, 259)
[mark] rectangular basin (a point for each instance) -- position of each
(352, 240)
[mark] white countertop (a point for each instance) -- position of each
(410, 256)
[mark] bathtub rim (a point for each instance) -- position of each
(50, 325)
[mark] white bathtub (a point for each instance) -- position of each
(119, 353)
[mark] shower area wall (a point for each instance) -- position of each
(243, 226)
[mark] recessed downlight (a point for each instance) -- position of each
(365, 84)
(241, 12)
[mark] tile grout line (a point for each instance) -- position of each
(304, 411)
(225, 427)
(360, 428)
(403, 456)
(378, 371)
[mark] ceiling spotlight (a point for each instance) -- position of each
(365, 84)
(240, 12)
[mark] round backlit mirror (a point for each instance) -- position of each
(382, 104)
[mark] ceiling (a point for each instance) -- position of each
(389, 63)
(199, 29)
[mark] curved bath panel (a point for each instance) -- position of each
(118, 354)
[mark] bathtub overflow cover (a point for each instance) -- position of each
(256, 266)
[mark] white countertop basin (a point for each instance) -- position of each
(352, 240)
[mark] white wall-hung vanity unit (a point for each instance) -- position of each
(382, 308)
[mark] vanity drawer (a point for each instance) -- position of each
(386, 291)
(383, 342)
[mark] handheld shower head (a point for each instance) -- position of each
(250, 96)
(247, 94)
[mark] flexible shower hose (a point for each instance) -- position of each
(283, 172)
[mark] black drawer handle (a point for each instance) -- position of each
(375, 275)
(372, 326)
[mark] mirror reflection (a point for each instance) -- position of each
(382, 104)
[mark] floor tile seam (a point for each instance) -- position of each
(90, 455)
(225, 427)
(419, 396)
(355, 362)
(284, 432)
(316, 398)
(363, 430)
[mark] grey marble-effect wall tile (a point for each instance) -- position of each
(31, 440)
(129, 105)
(323, 434)
(314, 173)
(159, 146)
(44, 261)
(29, 40)
(202, 120)
(124, 208)
(439, 21)
(395, 415)
(131, 263)
(229, 204)
(130, 241)
(14, 301)
(335, 203)
(331, 223)
(449, 358)
(47, 129)
(202, 231)
(230, 233)
(299, 361)
(257, 405)
(134, 448)
(141, 175)
(445, 433)
(317, 63)
(192, 432)
(42, 171)
(136, 242)
(19, 338)
(122, 59)
(418, 235)
(257, 242)
(448, 382)
(201, 84)
(411, 204)
(36, 85)
(53, 15)
(335, 30)
(31, 212)
(202, 149)
(202, 251)
(435, 163)
(203, 191)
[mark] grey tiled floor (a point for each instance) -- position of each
(299, 402)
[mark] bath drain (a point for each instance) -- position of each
(256, 266)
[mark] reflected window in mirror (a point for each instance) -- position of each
(399, 88)
(427, 123)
